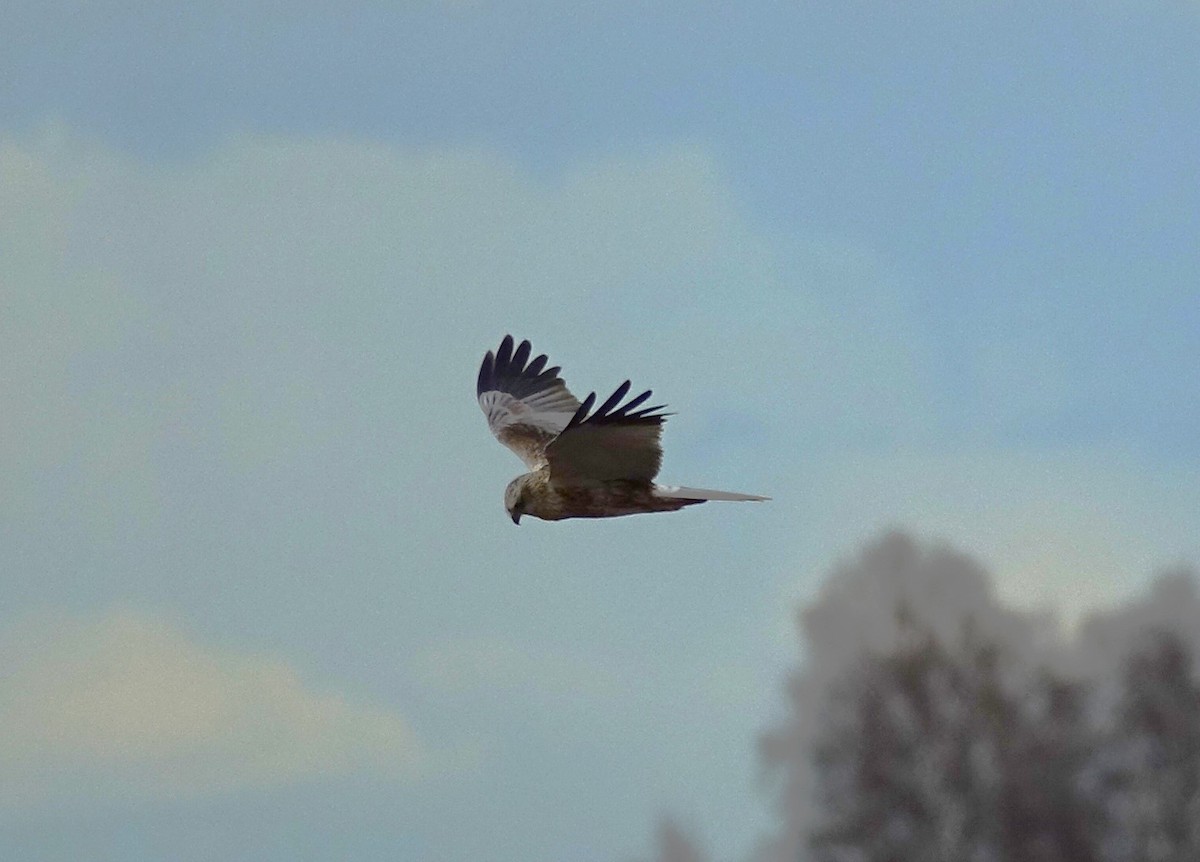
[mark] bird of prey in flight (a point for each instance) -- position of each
(585, 463)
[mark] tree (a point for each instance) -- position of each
(1150, 766)
(676, 845)
(949, 753)
(901, 766)
(1049, 813)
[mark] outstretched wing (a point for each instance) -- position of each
(526, 406)
(615, 442)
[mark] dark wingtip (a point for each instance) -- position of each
(509, 370)
(605, 415)
(521, 356)
(535, 368)
(629, 405)
(504, 354)
(582, 412)
(613, 400)
(647, 413)
(486, 370)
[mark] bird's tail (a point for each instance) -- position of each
(675, 493)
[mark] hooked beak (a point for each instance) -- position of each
(516, 516)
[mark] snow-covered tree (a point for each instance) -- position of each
(965, 730)
(1150, 766)
(949, 753)
(676, 845)
(1048, 813)
(902, 764)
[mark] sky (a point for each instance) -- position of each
(926, 265)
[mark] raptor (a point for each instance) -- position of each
(583, 462)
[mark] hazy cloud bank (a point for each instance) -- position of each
(127, 706)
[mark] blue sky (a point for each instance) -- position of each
(931, 265)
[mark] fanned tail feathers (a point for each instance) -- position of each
(677, 493)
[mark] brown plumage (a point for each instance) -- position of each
(585, 463)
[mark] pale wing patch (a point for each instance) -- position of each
(526, 404)
(546, 413)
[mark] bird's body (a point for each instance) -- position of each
(583, 464)
(550, 501)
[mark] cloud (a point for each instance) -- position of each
(265, 349)
(248, 308)
(261, 359)
(250, 360)
(123, 705)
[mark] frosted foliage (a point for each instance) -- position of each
(675, 845)
(929, 754)
(896, 595)
(1150, 770)
(930, 722)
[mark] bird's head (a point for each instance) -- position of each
(515, 498)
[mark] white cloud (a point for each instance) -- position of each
(246, 306)
(312, 311)
(262, 359)
(128, 706)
